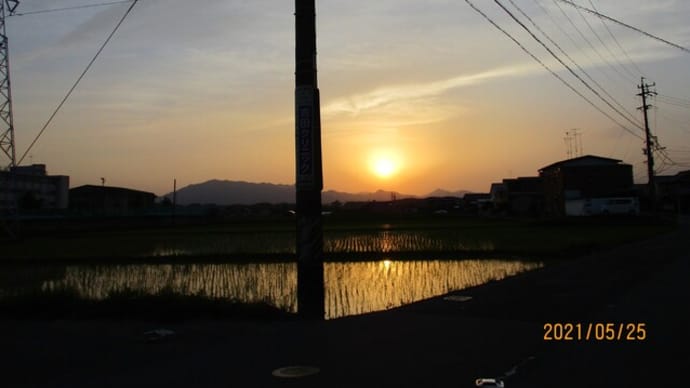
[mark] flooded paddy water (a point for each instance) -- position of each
(368, 268)
(381, 241)
(351, 288)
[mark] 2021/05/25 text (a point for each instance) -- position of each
(591, 331)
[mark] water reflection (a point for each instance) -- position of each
(385, 241)
(274, 283)
(357, 288)
(351, 287)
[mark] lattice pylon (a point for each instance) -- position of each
(7, 7)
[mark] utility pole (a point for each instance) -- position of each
(174, 201)
(649, 142)
(309, 176)
(7, 7)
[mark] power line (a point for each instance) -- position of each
(71, 8)
(69, 93)
(587, 85)
(572, 40)
(670, 162)
(506, 33)
(625, 25)
(572, 60)
(683, 126)
(681, 102)
(679, 99)
(589, 43)
(673, 103)
(582, 16)
(616, 40)
(558, 25)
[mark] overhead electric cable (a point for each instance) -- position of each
(575, 44)
(74, 86)
(71, 8)
(670, 161)
(589, 25)
(558, 25)
(587, 85)
(673, 100)
(591, 45)
(625, 52)
(625, 25)
(506, 33)
(572, 60)
(677, 123)
(680, 99)
(673, 103)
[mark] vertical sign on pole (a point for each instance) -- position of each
(309, 176)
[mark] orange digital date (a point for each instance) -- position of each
(595, 331)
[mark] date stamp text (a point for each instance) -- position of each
(595, 331)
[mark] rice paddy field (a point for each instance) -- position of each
(344, 239)
(248, 267)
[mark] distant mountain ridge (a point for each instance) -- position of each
(225, 192)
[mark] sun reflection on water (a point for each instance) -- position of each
(351, 288)
(373, 286)
(386, 264)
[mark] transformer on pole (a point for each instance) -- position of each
(7, 7)
(309, 176)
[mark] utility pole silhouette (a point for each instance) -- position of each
(174, 201)
(309, 175)
(649, 140)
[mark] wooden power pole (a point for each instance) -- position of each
(309, 176)
(649, 141)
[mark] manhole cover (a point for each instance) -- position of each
(295, 371)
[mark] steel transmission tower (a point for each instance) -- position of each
(7, 7)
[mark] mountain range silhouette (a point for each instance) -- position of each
(226, 192)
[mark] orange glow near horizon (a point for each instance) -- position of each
(408, 112)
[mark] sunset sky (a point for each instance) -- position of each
(415, 95)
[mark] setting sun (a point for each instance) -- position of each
(385, 163)
(384, 167)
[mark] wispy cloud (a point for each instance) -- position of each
(360, 103)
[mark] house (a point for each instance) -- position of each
(105, 200)
(579, 180)
(523, 196)
(476, 202)
(673, 192)
(31, 188)
(441, 205)
(498, 195)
